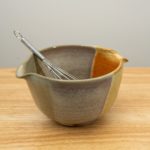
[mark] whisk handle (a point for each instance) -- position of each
(36, 52)
(29, 45)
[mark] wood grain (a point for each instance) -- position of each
(126, 126)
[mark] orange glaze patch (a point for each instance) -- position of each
(104, 63)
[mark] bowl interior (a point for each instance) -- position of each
(104, 62)
(81, 61)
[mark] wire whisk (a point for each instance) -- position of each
(57, 72)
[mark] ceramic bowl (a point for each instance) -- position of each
(75, 102)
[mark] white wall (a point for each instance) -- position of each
(119, 24)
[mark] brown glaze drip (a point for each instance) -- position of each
(104, 63)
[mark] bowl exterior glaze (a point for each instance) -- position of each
(73, 102)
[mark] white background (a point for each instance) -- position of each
(123, 25)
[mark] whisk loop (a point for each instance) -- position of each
(18, 34)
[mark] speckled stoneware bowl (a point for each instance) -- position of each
(75, 102)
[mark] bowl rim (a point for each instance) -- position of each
(122, 60)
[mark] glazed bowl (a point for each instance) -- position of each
(75, 102)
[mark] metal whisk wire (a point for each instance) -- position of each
(57, 72)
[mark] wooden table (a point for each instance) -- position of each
(125, 127)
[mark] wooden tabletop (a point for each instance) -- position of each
(125, 127)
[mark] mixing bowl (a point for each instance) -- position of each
(75, 102)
